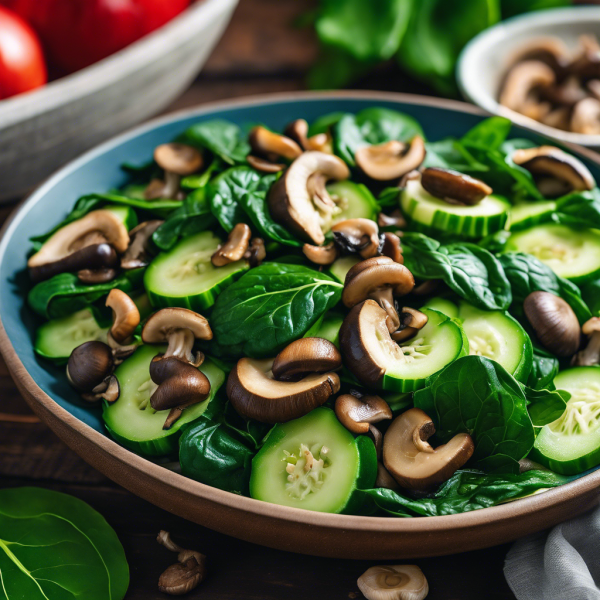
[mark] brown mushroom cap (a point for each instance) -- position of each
(96, 228)
(411, 322)
(358, 235)
(391, 160)
(126, 316)
(320, 255)
(255, 394)
(89, 365)
(138, 252)
(554, 322)
(304, 356)
(392, 247)
(234, 248)
(357, 414)
(265, 142)
(557, 164)
(393, 582)
(521, 80)
(178, 158)
(450, 185)
(410, 459)
(263, 165)
(294, 197)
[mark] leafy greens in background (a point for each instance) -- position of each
(56, 546)
(426, 36)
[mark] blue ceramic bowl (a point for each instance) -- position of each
(46, 389)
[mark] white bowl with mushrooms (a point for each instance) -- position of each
(554, 100)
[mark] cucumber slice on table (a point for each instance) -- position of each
(571, 253)
(342, 464)
(185, 276)
(133, 422)
(429, 214)
(529, 214)
(57, 338)
(355, 201)
(341, 266)
(571, 445)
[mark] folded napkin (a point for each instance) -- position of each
(560, 564)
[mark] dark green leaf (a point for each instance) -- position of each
(57, 547)
(269, 307)
(224, 139)
(545, 406)
(510, 8)
(325, 123)
(590, 292)
(581, 209)
(490, 133)
(543, 371)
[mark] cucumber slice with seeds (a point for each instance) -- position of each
(571, 253)
(529, 214)
(571, 445)
(314, 463)
(429, 214)
(353, 201)
(443, 305)
(133, 422)
(341, 266)
(185, 276)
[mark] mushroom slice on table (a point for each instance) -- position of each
(522, 80)
(358, 414)
(255, 393)
(234, 248)
(590, 355)
(91, 242)
(299, 199)
(184, 576)
(554, 323)
(412, 461)
(454, 187)
(139, 253)
(391, 160)
(177, 161)
(357, 236)
(565, 172)
(379, 279)
(393, 582)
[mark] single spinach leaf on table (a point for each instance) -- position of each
(269, 307)
(470, 271)
(465, 491)
(528, 274)
(475, 395)
(54, 546)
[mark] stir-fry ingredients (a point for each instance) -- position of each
(335, 320)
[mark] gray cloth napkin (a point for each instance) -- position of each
(560, 564)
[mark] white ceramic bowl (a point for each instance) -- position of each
(483, 61)
(42, 130)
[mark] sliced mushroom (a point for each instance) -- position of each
(256, 252)
(299, 200)
(126, 316)
(234, 248)
(554, 163)
(587, 64)
(567, 94)
(379, 279)
(549, 50)
(586, 117)
(454, 187)
(523, 79)
(263, 165)
(554, 323)
(357, 236)
(384, 479)
(298, 131)
(87, 243)
(177, 161)
(393, 582)
(411, 460)
(357, 414)
(89, 365)
(391, 160)
(179, 328)
(590, 355)
(321, 255)
(266, 143)
(184, 576)
(391, 247)
(395, 219)
(305, 356)
(139, 252)
(255, 394)
(411, 322)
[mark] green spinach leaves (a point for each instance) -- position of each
(224, 139)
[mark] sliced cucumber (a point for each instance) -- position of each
(355, 201)
(125, 213)
(570, 253)
(429, 214)
(529, 214)
(133, 422)
(185, 277)
(57, 338)
(341, 266)
(342, 465)
(498, 336)
(409, 364)
(327, 328)
(443, 305)
(571, 445)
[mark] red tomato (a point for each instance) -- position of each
(78, 33)
(22, 66)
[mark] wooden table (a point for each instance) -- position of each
(251, 59)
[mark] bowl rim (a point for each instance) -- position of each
(467, 82)
(117, 66)
(181, 484)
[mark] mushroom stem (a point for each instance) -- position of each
(172, 181)
(184, 576)
(385, 298)
(181, 342)
(590, 355)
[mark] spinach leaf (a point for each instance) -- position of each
(590, 292)
(489, 134)
(324, 123)
(475, 395)
(224, 139)
(579, 209)
(451, 153)
(470, 271)
(56, 546)
(543, 371)
(510, 8)
(464, 491)
(64, 294)
(528, 274)
(372, 126)
(269, 307)
(545, 406)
